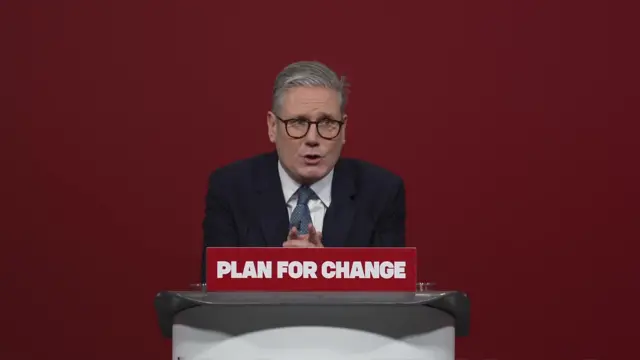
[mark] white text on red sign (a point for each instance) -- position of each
(311, 270)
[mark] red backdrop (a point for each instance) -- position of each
(513, 123)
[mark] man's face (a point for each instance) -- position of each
(311, 157)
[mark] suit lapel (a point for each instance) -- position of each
(272, 209)
(339, 217)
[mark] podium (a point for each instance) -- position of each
(313, 325)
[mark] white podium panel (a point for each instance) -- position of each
(207, 326)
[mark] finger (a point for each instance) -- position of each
(314, 235)
(294, 243)
(317, 240)
(293, 234)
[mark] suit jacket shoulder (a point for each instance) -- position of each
(371, 177)
(244, 174)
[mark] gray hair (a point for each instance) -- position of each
(309, 74)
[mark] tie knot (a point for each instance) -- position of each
(304, 194)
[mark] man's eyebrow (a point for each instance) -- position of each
(321, 116)
(326, 116)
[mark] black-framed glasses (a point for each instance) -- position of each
(298, 128)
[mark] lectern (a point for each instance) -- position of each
(313, 325)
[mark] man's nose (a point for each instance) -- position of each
(312, 137)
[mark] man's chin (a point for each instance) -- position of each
(313, 173)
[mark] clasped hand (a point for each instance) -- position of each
(312, 239)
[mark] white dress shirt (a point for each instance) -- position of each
(317, 206)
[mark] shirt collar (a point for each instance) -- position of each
(322, 187)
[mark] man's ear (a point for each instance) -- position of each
(271, 126)
(344, 128)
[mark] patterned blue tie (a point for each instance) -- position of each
(301, 216)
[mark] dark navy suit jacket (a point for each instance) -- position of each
(245, 206)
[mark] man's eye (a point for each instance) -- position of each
(328, 123)
(297, 123)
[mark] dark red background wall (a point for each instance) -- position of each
(513, 123)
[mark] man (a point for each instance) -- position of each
(304, 194)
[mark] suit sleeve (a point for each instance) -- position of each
(390, 228)
(218, 227)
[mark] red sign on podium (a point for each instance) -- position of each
(311, 269)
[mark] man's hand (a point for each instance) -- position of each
(313, 239)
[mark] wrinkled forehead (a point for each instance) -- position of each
(311, 103)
